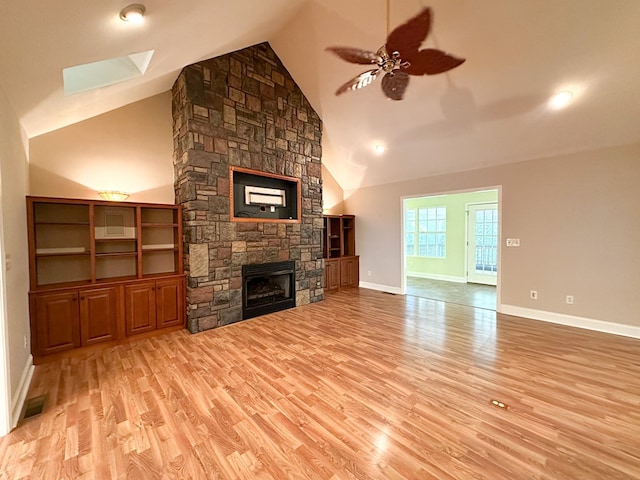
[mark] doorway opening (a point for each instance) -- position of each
(450, 247)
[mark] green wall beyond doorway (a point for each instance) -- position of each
(452, 267)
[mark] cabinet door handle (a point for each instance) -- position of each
(82, 298)
(74, 299)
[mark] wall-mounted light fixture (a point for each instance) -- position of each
(133, 13)
(113, 196)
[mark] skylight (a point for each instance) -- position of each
(90, 76)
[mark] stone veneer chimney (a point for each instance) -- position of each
(243, 109)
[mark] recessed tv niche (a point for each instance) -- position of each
(263, 197)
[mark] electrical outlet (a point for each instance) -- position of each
(569, 299)
(533, 294)
(25, 341)
(368, 273)
(513, 242)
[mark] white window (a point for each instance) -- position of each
(410, 232)
(426, 232)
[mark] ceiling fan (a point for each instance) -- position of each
(400, 57)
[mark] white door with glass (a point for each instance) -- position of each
(482, 245)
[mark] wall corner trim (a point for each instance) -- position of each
(381, 288)
(572, 321)
(21, 394)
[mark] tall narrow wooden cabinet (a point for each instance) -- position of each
(87, 260)
(339, 251)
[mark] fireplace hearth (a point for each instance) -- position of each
(267, 288)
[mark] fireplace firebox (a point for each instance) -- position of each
(268, 288)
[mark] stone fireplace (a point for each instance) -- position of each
(244, 110)
(267, 288)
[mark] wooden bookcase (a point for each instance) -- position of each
(339, 251)
(88, 261)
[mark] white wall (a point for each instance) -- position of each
(332, 194)
(15, 275)
(128, 149)
(577, 217)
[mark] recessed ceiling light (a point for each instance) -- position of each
(560, 100)
(133, 13)
(379, 149)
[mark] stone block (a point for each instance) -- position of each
(218, 204)
(220, 146)
(207, 323)
(199, 260)
(223, 187)
(222, 273)
(236, 67)
(235, 297)
(231, 315)
(239, 246)
(236, 95)
(253, 103)
(302, 298)
(221, 297)
(192, 325)
(241, 258)
(255, 257)
(229, 115)
(247, 227)
(200, 295)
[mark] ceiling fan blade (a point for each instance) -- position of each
(354, 55)
(394, 84)
(361, 81)
(431, 62)
(407, 38)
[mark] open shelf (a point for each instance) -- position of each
(73, 240)
(339, 252)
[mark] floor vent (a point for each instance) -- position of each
(34, 406)
(499, 404)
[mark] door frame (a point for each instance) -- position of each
(5, 388)
(403, 255)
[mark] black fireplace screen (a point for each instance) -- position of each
(267, 288)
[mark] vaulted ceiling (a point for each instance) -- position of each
(491, 110)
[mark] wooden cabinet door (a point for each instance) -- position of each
(349, 272)
(140, 307)
(56, 322)
(169, 303)
(98, 315)
(331, 275)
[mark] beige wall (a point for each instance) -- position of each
(576, 217)
(13, 188)
(332, 194)
(128, 149)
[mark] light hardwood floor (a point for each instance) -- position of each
(364, 385)
(470, 294)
